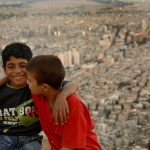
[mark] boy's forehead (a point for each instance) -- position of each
(13, 59)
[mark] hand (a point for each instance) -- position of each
(61, 109)
(3, 81)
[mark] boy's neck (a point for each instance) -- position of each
(16, 87)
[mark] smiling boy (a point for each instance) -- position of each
(19, 122)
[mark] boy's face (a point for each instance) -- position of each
(15, 70)
(33, 85)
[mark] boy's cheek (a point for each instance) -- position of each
(6, 72)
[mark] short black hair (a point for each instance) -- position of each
(47, 69)
(18, 50)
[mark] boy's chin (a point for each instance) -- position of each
(18, 85)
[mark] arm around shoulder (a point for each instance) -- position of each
(61, 109)
(69, 88)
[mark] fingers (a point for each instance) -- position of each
(61, 110)
(61, 115)
(64, 115)
(67, 112)
(55, 115)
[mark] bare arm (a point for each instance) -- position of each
(61, 109)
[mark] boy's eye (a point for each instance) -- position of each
(10, 67)
(23, 65)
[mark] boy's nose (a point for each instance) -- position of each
(18, 69)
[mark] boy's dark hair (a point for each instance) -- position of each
(47, 69)
(18, 50)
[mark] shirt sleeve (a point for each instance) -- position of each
(64, 82)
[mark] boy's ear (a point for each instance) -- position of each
(4, 68)
(45, 87)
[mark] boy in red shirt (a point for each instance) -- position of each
(45, 75)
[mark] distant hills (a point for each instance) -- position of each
(19, 2)
(120, 0)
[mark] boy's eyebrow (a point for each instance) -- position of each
(9, 64)
(14, 63)
(23, 63)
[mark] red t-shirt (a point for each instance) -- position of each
(75, 133)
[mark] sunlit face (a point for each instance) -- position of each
(33, 85)
(15, 70)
